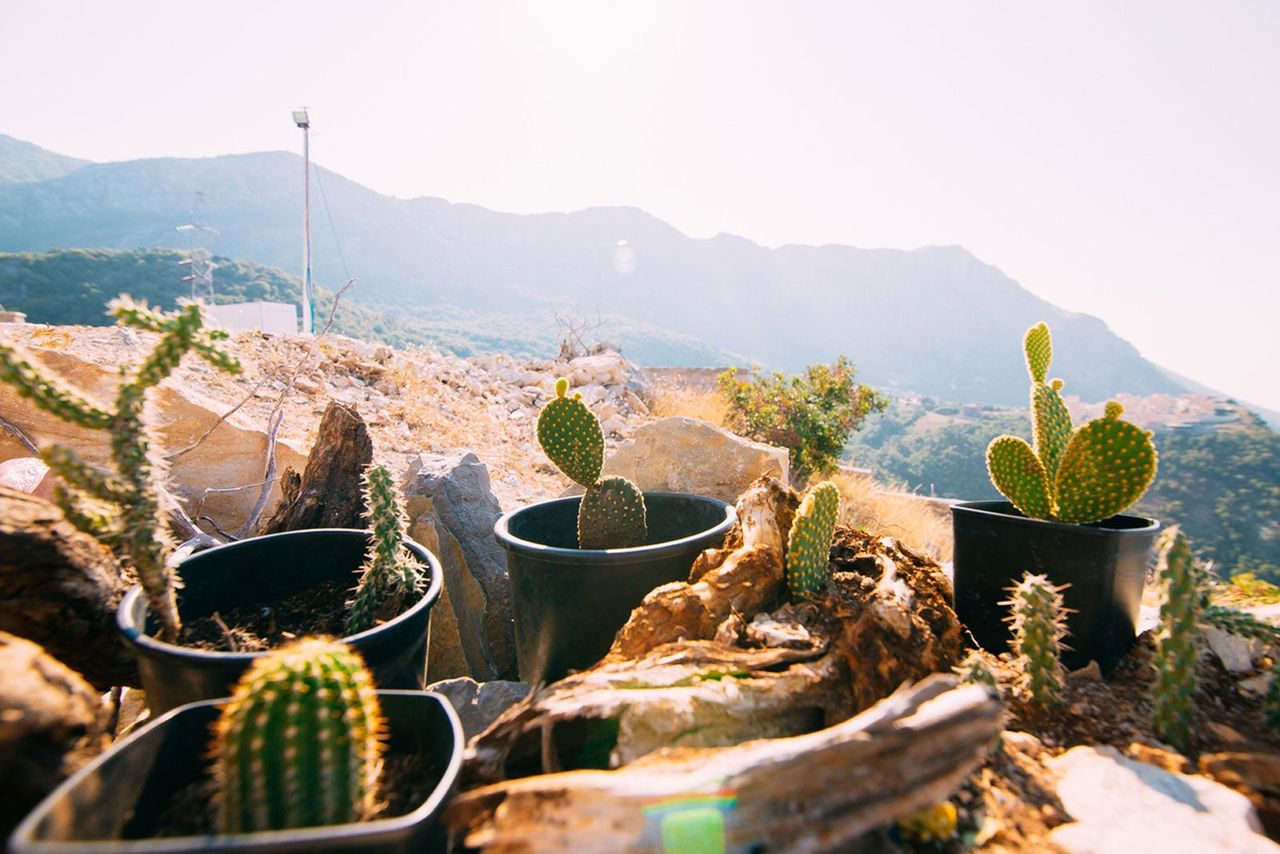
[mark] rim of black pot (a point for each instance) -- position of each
(134, 630)
(634, 554)
(1006, 511)
(291, 838)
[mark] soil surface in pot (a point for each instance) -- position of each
(320, 609)
(407, 781)
(1010, 802)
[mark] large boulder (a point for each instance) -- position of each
(452, 511)
(687, 455)
(52, 723)
(220, 477)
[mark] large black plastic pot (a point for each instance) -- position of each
(1105, 564)
(264, 569)
(570, 602)
(112, 805)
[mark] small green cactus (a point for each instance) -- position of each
(299, 744)
(390, 577)
(123, 508)
(1177, 641)
(612, 513)
(1271, 704)
(973, 670)
(809, 542)
(1038, 621)
(1081, 476)
(1241, 623)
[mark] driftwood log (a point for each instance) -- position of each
(721, 659)
(328, 492)
(60, 587)
(814, 792)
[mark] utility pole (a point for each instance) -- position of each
(200, 256)
(301, 119)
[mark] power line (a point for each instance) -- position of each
(329, 216)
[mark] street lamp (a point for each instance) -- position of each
(302, 120)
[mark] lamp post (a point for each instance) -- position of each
(301, 119)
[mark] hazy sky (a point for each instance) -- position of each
(1117, 158)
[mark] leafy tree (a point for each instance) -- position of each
(811, 414)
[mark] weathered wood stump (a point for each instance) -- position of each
(60, 587)
(724, 658)
(51, 723)
(328, 494)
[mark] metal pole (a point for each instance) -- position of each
(308, 325)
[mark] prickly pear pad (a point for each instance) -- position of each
(571, 436)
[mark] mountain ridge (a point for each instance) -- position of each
(934, 320)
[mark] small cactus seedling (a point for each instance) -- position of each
(933, 824)
(300, 742)
(390, 577)
(809, 542)
(612, 513)
(973, 670)
(1038, 620)
(1177, 642)
(1080, 476)
(123, 507)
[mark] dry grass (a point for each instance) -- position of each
(690, 402)
(891, 511)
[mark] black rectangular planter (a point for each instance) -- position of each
(111, 805)
(1104, 563)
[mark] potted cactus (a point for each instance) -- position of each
(578, 565)
(301, 757)
(1063, 519)
(388, 618)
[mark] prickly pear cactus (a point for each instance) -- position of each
(1038, 620)
(1177, 641)
(300, 742)
(390, 577)
(809, 542)
(611, 514)
(1078, 476)
(571, 436)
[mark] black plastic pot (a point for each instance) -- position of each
(1105, 564)
(570, 602)
(264, 569)
(112, 805)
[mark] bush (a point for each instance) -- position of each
(811, 415)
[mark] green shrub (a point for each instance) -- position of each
(811, 415)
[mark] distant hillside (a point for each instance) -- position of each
(934, 320)
(72, 286)
(21, 162)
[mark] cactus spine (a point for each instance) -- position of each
(390, 577)
(611, 514)
(1038, 620)
(123, 508)
(1079, 476)
(809, 542)
(1177, 642)
(300, 742)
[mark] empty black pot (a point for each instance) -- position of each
(570, 602)
(264, 569)
(1105, 564)
(112, 805)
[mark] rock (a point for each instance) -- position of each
(687, 455)
(479, 704)
(1121, 805)
(329, 493)
(601, 369)
(1254, 775)
(23, 473)
(51, 723)
(231, 458)
(464, 509)
(1235, 652)
(60, 587)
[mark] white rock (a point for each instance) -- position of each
(1122, 806)
(22, 473)
(1236, 653)
(603, 368)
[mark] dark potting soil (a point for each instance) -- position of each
(408, 779)
(316, 610)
